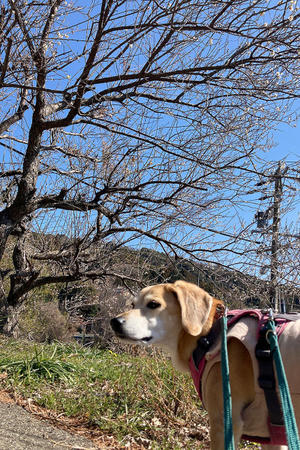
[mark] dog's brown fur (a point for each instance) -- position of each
(183, 313)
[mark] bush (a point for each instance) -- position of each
(44, 322)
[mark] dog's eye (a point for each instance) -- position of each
(153, 305)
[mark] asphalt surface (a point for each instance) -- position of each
(21, 430)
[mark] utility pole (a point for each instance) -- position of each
(276, 248)
(274, 291)
(262, 224)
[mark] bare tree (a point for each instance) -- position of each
(125, 122)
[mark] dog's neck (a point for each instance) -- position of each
(188, 343)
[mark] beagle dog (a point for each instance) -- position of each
(174, 316)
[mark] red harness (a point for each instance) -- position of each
(277, 432)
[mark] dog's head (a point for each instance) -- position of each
(161, 312)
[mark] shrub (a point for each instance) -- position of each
(44, 322)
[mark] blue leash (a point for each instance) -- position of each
(227, 404)
(291, 429)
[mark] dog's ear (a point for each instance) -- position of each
(195, 305)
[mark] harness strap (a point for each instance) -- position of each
(266, 378)
(205, 342)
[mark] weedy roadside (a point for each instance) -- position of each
(138, 400)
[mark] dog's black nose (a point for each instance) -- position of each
(116, 324)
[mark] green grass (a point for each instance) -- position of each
(138, 398)
(40, 365)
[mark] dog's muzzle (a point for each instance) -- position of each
(117, 325)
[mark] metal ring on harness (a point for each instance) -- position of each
(267, 335)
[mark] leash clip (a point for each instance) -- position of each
(270, 314)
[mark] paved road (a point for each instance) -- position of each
(20, 430)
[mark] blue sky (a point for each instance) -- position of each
(288, 143)
(287, 146)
